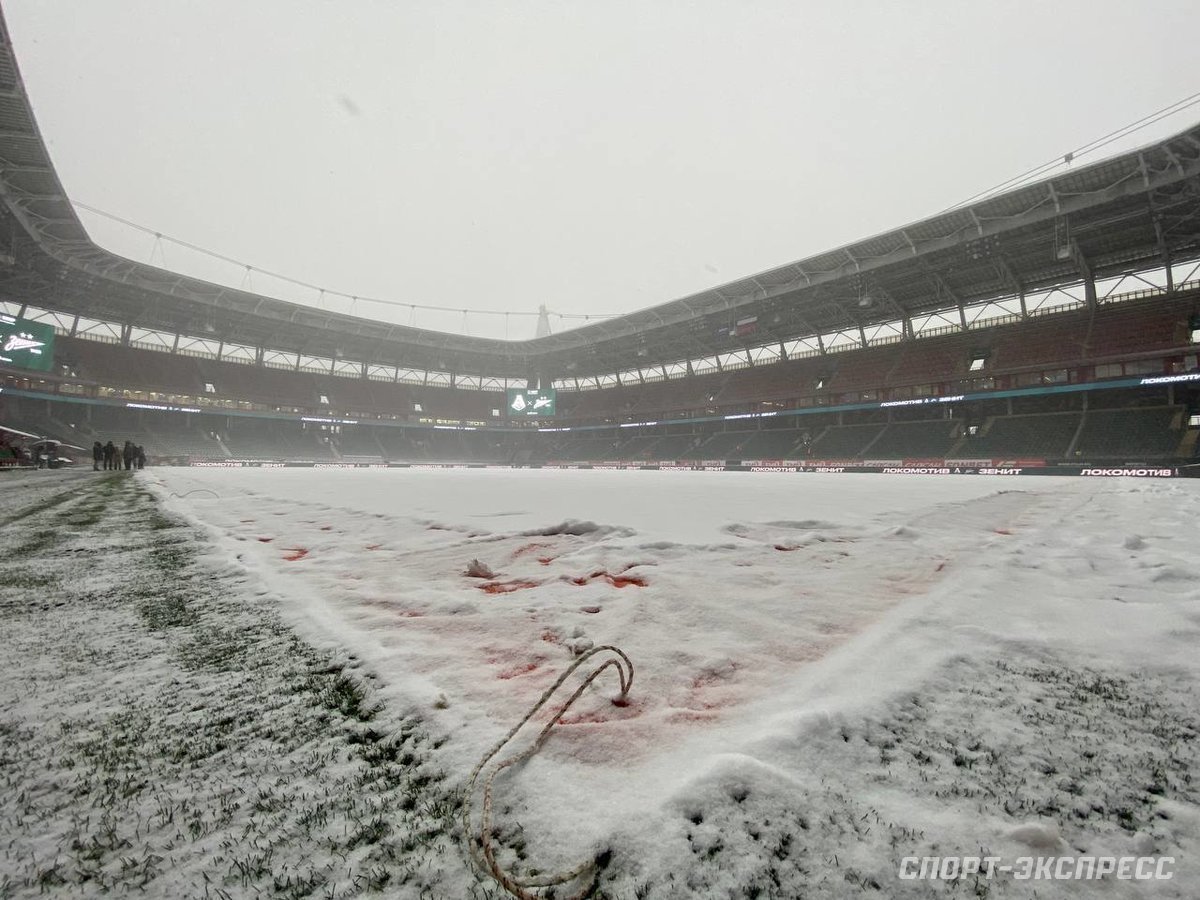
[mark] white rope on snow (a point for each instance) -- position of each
(186, 494)
(479, 842)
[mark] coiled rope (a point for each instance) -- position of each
(479, 842)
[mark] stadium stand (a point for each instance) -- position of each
(845, 441)
(676, 446)
(1053, 427)
(1130, 433)
(777, 443)
(639, 447)
(1139, 327)
(722, 445)
(901, 440)
(1054, 337)
(1015, 354)
(360, 444)
(936, 359)
(1047, 435)
(249, 438)
(185, 444)
(776, 381)
(396, 445)
(860, 373)
(975, 307)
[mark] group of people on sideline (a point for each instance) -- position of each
(132, 455)
(45, 454)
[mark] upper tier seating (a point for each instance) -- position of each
(1138, 327)
(934, 359)
(1054, 340)
(863, 370)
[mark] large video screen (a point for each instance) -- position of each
(25, 344)
(531, 402)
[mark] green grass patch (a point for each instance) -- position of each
(185, 732)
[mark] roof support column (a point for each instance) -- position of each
(962, 315)
(1165, 252)
(175, 343)
(1014, 281)
(862, 337)
(126, 335)
(1089, 281)
(74, 326)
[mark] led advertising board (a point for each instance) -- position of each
(531, 402)
(25, 344)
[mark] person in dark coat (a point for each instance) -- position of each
(97, 456)
(47, 453)
(140, 456)
(110, 456)
(127, 455)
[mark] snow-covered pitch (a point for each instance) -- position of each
(833, 672)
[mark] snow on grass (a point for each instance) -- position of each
(164, 733)
(833, 672)
(854, 669)
(993, 757)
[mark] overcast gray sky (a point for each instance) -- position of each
(597, 157)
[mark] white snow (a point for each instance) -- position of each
(810, 651)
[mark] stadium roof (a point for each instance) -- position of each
(1130, 213)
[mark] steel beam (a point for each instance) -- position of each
(1085, 269)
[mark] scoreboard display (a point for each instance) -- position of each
(531, 402)
(25, 344)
